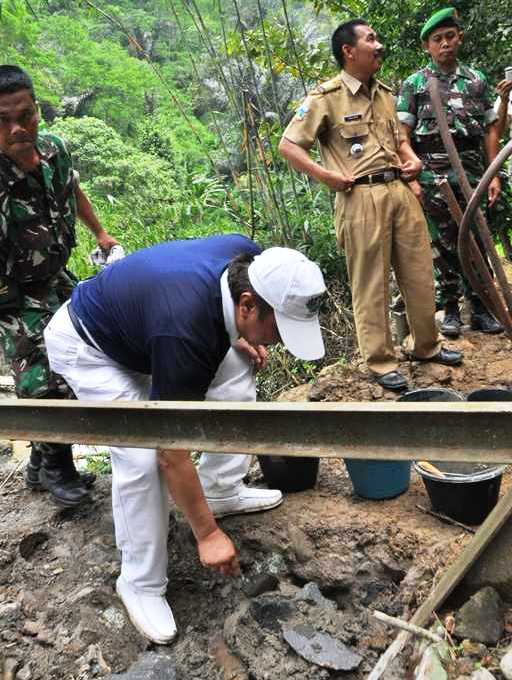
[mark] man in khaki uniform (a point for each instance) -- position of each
(379, 222)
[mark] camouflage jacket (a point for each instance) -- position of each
(37, 214)
(468, 104)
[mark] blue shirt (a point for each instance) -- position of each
(159, 311)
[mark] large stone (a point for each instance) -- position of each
(9, 613)
(320, 648)
(506, 664)
(430, 666)
(494, 566)
(482, 674)
(481, 617)
(311, 594)
(150, 666)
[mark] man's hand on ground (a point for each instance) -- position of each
(257, 355)
(338, 182)
(218, 552)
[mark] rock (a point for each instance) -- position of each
(31, 543)
(114, 618)
(482, 674)
(9, 613)
(329, 570)
(262, 583)
(506, 664)
(31, 628)
(471, 648)
(311, 594)
(150, 666)
(269, 611)
(300, 544)
(93, 661)
(10, 666)
(494, 566)
(24, 673)
(430, 666)
(320, 648)
(481, 617)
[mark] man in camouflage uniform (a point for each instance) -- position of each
(468, 104)
(39, 201)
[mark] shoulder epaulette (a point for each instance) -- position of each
(328, 86)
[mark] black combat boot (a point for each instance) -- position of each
(482, 320)
(34, 465)
(57, 473)
(452, 323)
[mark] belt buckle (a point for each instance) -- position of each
(388, 175)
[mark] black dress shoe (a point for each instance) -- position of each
(451, 324)
(393, 380)
(486, 323)
(33, 482)
(448, 357)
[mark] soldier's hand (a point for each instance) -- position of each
(503, 88)
(494, 191)
(218, 552)
(338, 182)
(106, 241)
(416, 189)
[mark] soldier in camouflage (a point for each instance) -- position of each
(39, 201)
(467, 100)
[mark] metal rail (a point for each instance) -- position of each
(388, 431)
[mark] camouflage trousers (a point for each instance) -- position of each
(21, 337)
(450, 280)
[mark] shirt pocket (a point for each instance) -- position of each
(352, 133)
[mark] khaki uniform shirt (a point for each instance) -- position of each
(357, 135)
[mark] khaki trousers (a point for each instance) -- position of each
(380, 226)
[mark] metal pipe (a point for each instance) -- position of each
(483, 184)
(479, 274)
(474, 432)
(485, 235)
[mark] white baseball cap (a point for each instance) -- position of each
(293, 286)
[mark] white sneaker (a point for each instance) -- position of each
(150, 614)
(245, 500)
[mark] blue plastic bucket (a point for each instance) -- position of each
(379, 479)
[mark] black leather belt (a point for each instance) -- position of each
(437, 146)
(78, 326)
(379, 177)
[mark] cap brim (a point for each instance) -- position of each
(302, 338)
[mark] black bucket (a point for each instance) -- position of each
(433, 394)
(490, 394)
(289, 474)
(467, 492)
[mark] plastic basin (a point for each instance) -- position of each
(467, 492)
(490, 394)
(289, 474)
(378, 479)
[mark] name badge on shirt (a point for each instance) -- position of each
(352, 117)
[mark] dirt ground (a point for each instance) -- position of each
(61, 620)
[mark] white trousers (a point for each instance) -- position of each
(140, 498)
